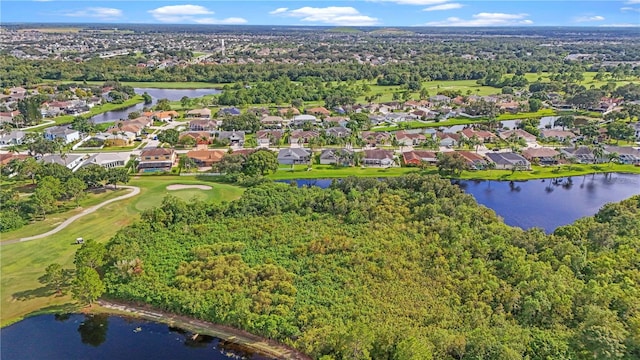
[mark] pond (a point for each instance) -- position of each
(545, 203)
(110, 337)
(171, 94)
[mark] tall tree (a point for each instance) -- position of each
(87, 286)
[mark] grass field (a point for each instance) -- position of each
(21, 264)
(329, 171)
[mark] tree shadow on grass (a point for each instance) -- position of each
(42, 291)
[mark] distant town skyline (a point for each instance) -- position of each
(619, 13)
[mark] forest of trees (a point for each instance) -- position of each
(405, 268)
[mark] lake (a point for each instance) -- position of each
(171, 94)
(109, 337)
(545, 203)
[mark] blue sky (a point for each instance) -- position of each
(329, 13)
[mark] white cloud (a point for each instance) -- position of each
(447, 6)
(180, 14)
(629, 8)
(95, 12)
(332, 15)
(278, 11)
(632, 2)
(589, 18)
(485, 19)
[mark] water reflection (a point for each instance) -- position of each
(93, 330)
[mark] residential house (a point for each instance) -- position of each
(343, 157)
(556, 135)
(156, 159)
(15, 137)
(378, 157)
(107, 160)
(204, 157)
(626, 154)
(300, 120)
(165, 115)
(288, 112)
(236, 138)
(233, 111)
(302, 136)
(199, 113)
(8, 157)
(293, 156)
(318, 111)
(449, 140)
(409, 138)
(265, 138)
(203, 125)
(64, 133)
(71, 161)
(121, 138)
(636, 129)
(474, 161)
(580, 154)
(272, 121)
(542, 156)
(440, 99)
(338, 132)
(417, 157)
(482, 135)
(8, 116)
(336, 121)
(373, 138)
(508, 161)
(519, 134)
(199, 137)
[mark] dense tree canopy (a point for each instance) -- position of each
(406, 268)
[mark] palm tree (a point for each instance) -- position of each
(598, 152)
(613, 156)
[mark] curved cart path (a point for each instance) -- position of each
(135, 191)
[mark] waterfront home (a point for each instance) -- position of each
(636, 129)
(417, 157)
(64, 133)
(343, 157)
(474, 161)
(156, 159)
(410, 138)
(378, 157)
(294, 156)
(448, 139)
(518, 134)
(556, 135)
(508, 161)
(482, 135)
(542, 156)
(580, 154)
(626, 155)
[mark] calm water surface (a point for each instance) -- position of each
(171, 94)
(547, 203)
(109, 337)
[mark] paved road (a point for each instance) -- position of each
(135, 191)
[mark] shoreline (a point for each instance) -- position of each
(250, 341)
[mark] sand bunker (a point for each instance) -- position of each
(182, 186)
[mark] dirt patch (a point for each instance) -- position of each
(182, 187)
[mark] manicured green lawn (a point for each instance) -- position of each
(328, 171)
(22, 264)
(99, 109)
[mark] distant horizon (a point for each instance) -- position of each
(330, 13)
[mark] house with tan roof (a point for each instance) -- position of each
(542, 155)
(156, 159)
(376, 138)
(204, 157)
(410, 139)
(482, 135)
(302, 136)
(417, 157)
(199, 113)
(378, 157)
(474, 161)
(518, 134)
(318, 111)
(556, 135)
(202, 125)
(265, 138)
